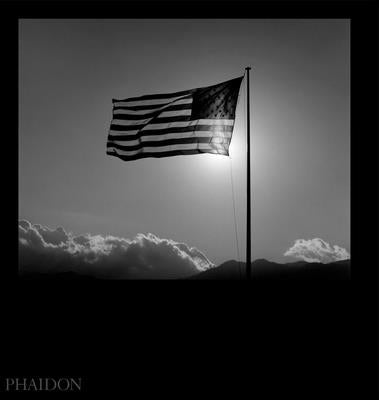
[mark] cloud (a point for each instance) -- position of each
(46, 250)
(317, 250)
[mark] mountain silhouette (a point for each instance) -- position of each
(233, 270)
(68, 276)
(263, 269)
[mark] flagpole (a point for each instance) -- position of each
(248, 188)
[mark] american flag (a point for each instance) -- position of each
(163, 125)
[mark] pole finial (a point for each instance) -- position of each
(248, 68)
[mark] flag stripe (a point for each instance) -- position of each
(139, 108)
(135, 144)
(141, 119)
(141, 102)
(171, 153)
(147, 113)
(178, 124)
(218, 122)
(182, 109)
(177, 135)
(121, 125)
(135, 134)
(178, 113)
(163, 149)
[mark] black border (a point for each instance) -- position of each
(78, 329)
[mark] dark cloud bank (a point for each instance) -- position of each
(53, 251)
(44, 250)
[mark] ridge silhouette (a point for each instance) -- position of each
(263, 269)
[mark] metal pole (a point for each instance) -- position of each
(248, 198)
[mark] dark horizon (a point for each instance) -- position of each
(261, 269)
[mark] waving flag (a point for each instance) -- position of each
(163, 125)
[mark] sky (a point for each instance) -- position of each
(69, 71)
